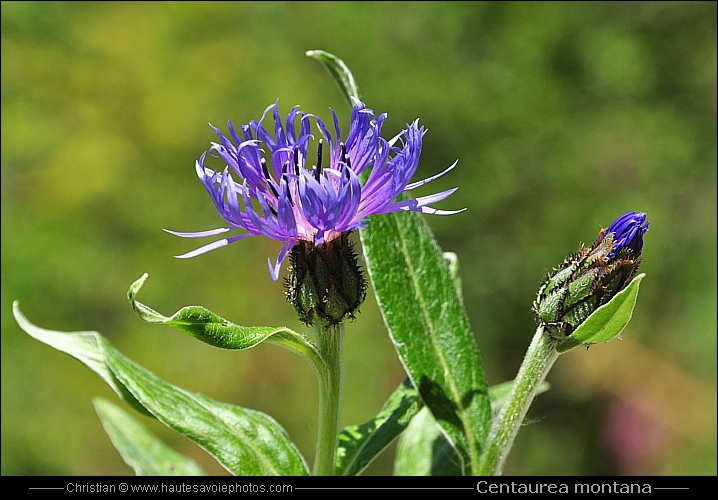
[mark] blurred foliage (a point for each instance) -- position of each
(562, 115)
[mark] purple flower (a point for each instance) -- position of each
(269, 186)
(628, 231)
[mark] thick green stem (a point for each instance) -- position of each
(330, 342)
(539, 358)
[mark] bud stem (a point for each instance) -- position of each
(539, 359)
(330, 342)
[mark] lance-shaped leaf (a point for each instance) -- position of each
(340, 72)
(360, 444)
(140, 449)
(213, 329)
(424, 313)
(245, 442)
(606, 322)
(84, 347)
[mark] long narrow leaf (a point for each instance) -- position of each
(213, 329)
(424, 313)
(360, 444)
(140, 449)
(245, 442)
(339, 72)
(83, 346)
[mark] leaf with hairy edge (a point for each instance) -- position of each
(245, 442)
(424, 313)
(140, 449)
(360, 444)
(212, 329)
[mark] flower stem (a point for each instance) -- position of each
(539, 358)
(330, 342)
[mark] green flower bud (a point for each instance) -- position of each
(326, 285)
(591, 277)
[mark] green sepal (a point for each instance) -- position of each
(139, 448)
(326, 284)
(584, 282)
(360, 444)
(608, 321)
(213, 329)
(340, 72)
(244, 441)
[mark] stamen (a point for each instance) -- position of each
(345, 158)
(286, 182)
(296, 161)
(318, 169)
(269, 182)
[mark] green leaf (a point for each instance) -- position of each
(140, 449)
(608, 321)
(245, 442)
(360, 444)
(423, 450)
(424, 313)
(213, 329)
(83, 346)
(340, 72)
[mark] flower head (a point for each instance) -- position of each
(591, 277)
(270, 187)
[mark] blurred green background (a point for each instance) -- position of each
(563, 116)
